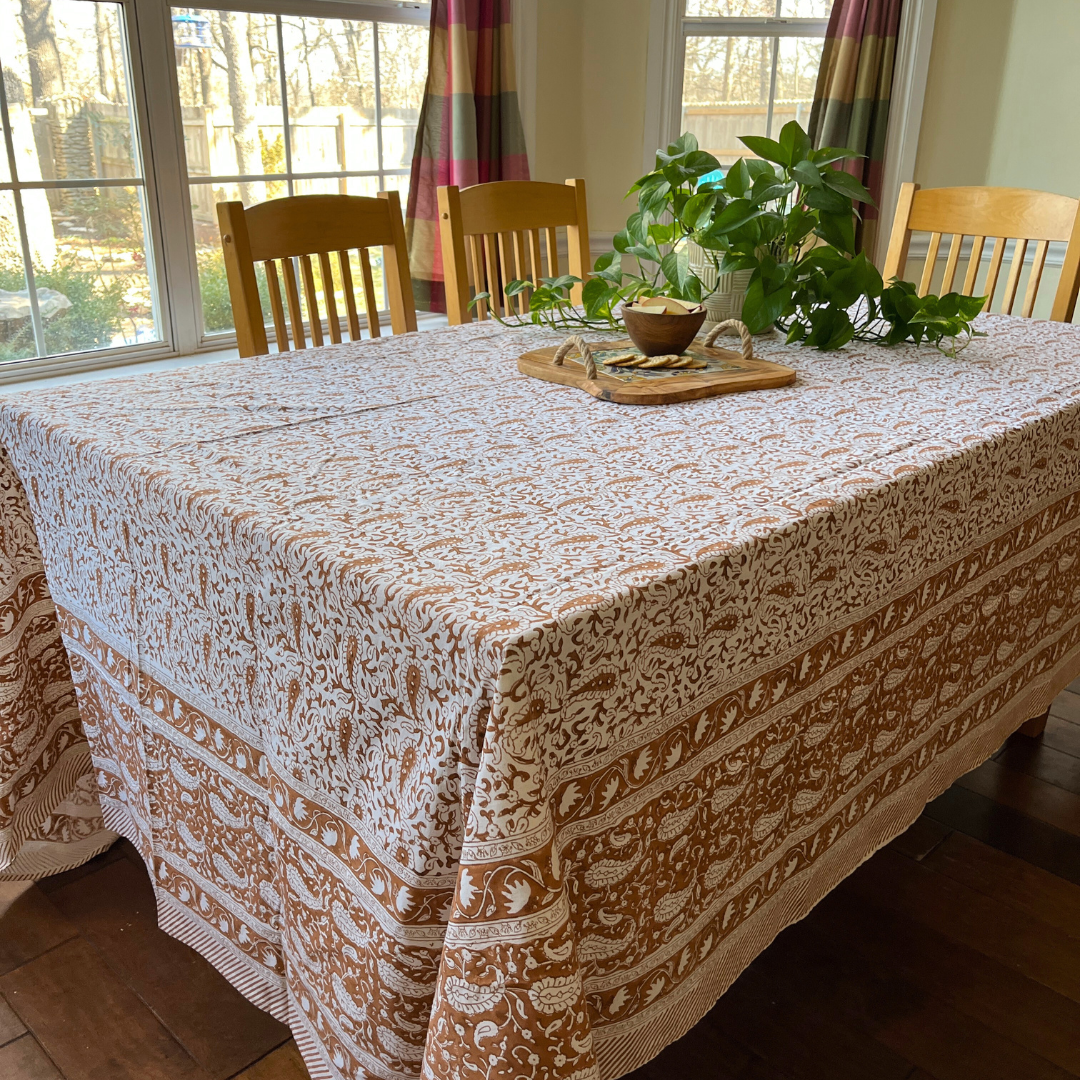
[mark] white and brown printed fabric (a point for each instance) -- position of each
(476, 727)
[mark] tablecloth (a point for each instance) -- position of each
(474, 726)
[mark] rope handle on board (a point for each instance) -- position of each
(582, 346)
(732, 324)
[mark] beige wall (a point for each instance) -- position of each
(1001, 96)
(590, 108)
(1001, 99)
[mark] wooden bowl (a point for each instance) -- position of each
(657, 335)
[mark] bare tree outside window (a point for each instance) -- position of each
(749, 67)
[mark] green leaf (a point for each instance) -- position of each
(737, 213)
(826, 155)
(795, 143)
(645, 251)
(675, 266)
(733, 263)
(697, 213)
(637, 228)
(832, 202)
(770, 189)
(846, 184)
(517, 286)
(653, 200)
(661, 234)
(480, 296)
(738, 181)
(596, 296)
(768, 149)
(838, 230)
(621, 242)
(605, 261)
(760, 311)
(807, 174)
(796, 333)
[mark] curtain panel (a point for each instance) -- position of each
(851, 101)
(470, 126)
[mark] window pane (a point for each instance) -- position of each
(403, 53)
(97, 272)
(67, 92)
(16, 331)
(796, 76)
(230, 93)
(739, 9)
(330, 73)
(726, 92)
(213, 285)
(806, 9)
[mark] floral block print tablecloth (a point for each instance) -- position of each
(50, 819)
(476, 727)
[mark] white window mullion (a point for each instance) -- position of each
(156, 97)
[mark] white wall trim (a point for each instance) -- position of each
(525, 32)
(916, 38)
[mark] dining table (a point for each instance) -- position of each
(474, 726)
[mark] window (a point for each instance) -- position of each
(748, 67)
(338, 116)
(125, 122)
(76, 264)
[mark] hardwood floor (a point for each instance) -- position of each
(952, 954)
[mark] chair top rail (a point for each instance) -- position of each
(310, 224)
(982, 211)
(515, 205)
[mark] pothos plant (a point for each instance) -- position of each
(788, 215)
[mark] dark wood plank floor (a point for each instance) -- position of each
(953, 954)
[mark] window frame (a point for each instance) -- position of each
(153, 88)
(771, 28)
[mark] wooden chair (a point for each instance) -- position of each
(500, 224)
(297, 228)
(984, 213)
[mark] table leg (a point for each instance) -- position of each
(1035, 726)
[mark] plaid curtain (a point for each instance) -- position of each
(851, 101)
(470, 126)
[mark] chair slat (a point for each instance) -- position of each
(491, 258)
(994, 271)
(351, 315)
(292, 294)
(534, 248)
(1034, 278)
(371, 305)
(974, 262)
(951, 264)
(332, 323)
(509, 272)
(281, 330)
(522, 270)
(930, 265)
(1016, 267)
(552, 253)
(314, 317)
(479, 275)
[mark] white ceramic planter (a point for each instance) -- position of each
(726, 302)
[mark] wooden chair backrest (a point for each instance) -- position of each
(297, 228)
(983, 213)
(491, 236)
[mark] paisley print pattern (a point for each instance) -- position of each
(473, 726)
(50, 818)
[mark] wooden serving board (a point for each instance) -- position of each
(728, 373)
